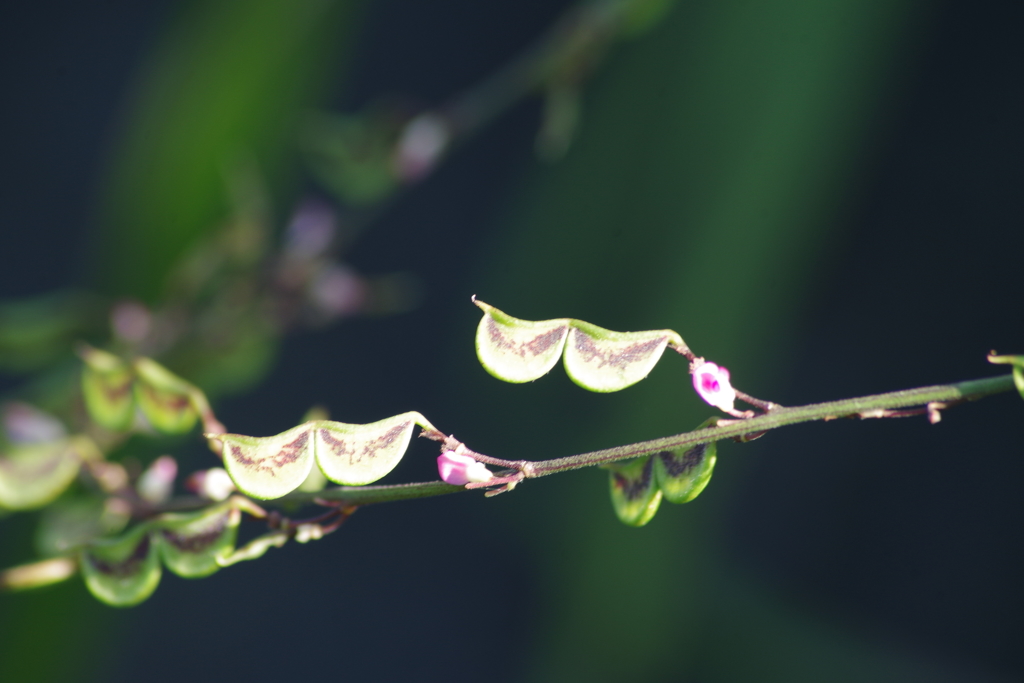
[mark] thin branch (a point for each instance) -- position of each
(567, 51)
(344, 500)
(934, 398)
(766, 406)
(366, 495)
(863, 407)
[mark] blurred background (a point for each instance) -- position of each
(824, 197)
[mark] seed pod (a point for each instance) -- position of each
(682, 474)
(123, 571)
(635, 494)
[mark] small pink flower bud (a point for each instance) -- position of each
(131, 321)
(420, 146)
(462, 469)
(212, 484)
(311, 230)
(337, 291)
(712, 384)
(27, 424)
(157, 482)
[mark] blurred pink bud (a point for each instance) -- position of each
(712, 384)
(461, 469)
(27, 424)
(157, 482)
(131, 321)
(111, 476)
(338, 291)
(420, 146)
(311, 229)
(213, 484)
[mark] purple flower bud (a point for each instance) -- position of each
(131, 321)
(311, 230)
(420, 145)
(157, 482)
(712, 384)
(337, 290)
(461, 469)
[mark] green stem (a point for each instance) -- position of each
(880, 405)
(863, 407)
(365, 495)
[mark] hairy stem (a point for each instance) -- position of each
(878, 405)
(346, 499)
(863, 407)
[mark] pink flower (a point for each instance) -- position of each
(712, 383)
(461, 469)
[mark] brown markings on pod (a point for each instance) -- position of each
(620, 358)
(168, 399)
(113, 391)
(633, 489)
(689, 461)
(126, 567)
(340, 448)
(197, 542)
(289, 453)
(536, 346)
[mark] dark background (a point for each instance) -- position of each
(885, 550)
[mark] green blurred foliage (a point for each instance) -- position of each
(227, 85)
(352, 155)
(38, 331)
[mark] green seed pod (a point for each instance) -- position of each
(635, 494)
(122, 571)
(164, 398)
(107, 389)
(682, 474)
(192, 543)
(597, 359)
(33, 475)
(355, 455)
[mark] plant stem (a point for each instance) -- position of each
(863, 407)
(576, 40)
(365, 495)
(878, 405)
(893, 404)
